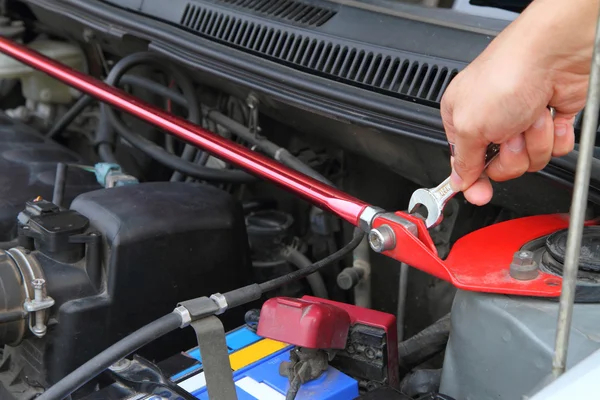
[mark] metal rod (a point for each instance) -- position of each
(323, 196)
(578, 210)
(402, 291)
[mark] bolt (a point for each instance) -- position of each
(120, 365)
(523, 266)
(370, 353)
(45, 95)
(252, 101)
(382, 239)
(38, 293)
(88, 35)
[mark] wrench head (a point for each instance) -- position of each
(424, 197)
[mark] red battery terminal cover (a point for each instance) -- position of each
(304, 323)
(317, 323)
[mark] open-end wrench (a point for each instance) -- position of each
(435, 199)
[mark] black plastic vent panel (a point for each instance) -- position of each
(287, 10)
(406, 75)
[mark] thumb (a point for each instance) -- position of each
(469, 162)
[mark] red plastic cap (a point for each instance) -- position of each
(304, 323)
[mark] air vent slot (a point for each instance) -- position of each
(292, 11)
(403, 75)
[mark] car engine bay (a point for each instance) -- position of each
(187, 199)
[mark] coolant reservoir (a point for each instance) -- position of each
(38, 86)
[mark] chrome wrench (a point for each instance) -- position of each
(435, 199)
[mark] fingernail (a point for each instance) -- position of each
(516, 144)
(455, 181)
(539, 124)
(560, 130)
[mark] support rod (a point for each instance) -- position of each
(323, 196)
(578, 209)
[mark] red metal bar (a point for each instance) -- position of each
(317, 193)
(479, 262)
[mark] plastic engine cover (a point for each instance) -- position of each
(28, 166)
(166, 242)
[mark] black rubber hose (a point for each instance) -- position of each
(106, 154)
(174, 162)
(270, 148)
(111, 355)
(11, 316)
(425, 344)
(104, 132)
(300, 261)
(60, 182)
(247, 294)
(278, 153)
(304, 272)
(81, 104)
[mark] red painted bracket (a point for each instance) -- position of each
(479, 261)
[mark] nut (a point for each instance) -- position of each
(523, 266)
(382, 239)
(220, 301)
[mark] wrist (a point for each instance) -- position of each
(559, 35)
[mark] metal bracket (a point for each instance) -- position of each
(215, 359)
(479, 261)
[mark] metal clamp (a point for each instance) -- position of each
(36, 299)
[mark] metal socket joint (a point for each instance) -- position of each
(220, 301)
(382, 239)
(367, 217)
(523, 267)
(186, 317)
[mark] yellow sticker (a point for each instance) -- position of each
(255, 352)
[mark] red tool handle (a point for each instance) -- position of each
(319, 194)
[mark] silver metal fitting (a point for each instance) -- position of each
(120, 365)
(382, 239)
(523, 267)
(366, 218)
(37, 306)
(220, 301)
(186, 317)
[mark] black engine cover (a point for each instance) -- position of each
(164, 243)
(27, 169)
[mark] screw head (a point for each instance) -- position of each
(523, 266)
(38, 283)
(120, 365)
(382, 239)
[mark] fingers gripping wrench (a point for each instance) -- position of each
(435, 199)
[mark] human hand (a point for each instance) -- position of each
(543, 58)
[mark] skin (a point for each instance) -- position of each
(542, 58)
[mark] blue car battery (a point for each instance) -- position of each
(255, 365)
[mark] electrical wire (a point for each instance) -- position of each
(81, 104)
(108, 357)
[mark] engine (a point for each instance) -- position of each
(146, 254)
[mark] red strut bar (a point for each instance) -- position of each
(400, 236)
